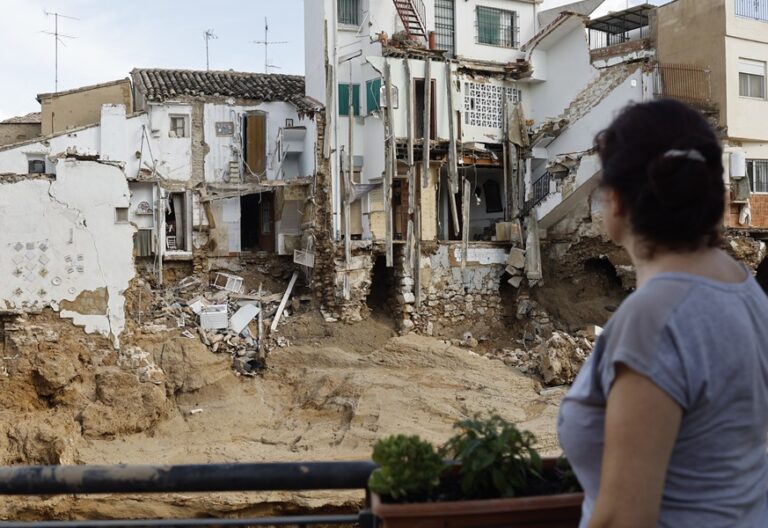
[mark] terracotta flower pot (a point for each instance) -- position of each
(542, 511)
(546, 511)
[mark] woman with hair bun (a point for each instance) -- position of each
(666, 424)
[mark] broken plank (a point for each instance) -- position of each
(465, 204)
(390, 167)
(287, 294)
(427, 119)
(453, 169)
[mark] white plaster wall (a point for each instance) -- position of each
(122, 141)
(568, 72)
(173, 154)
(140, 192)
(72, 246)
(466, 30)
(746, 117)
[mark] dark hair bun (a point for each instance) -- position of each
(665, 162)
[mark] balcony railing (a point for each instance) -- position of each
(757, 9)
(298, 476)
(687, 83)
(541, 189)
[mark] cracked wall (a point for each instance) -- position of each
(62, 243)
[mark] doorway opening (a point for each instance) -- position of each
(257, 223)
(382, 285)
(176, 235)
(418, 110)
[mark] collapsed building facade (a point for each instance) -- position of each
(182, 172)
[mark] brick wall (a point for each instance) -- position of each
(759, 208)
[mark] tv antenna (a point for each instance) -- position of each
(266, 42)
(57, 39)
(208, 35)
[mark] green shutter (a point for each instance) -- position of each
(344, 99)
(372, 95)
(488, 24)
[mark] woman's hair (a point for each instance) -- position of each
(665, 163)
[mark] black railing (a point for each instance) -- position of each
(603, 39)
(757, 9)
(540, 189)
(691, 84)
(58, 480)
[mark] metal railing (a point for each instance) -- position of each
(691, 84)
(497, 27)
(540, 189)
(603, 39)
(293, 476)
(757, 9)
(349, 12)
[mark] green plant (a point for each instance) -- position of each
(409, 468)
(496, 459)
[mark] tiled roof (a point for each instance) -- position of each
(33, 117)
(161, 85)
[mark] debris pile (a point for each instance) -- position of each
(221, 315)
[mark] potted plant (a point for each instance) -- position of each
(495, 477)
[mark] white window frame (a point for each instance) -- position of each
(172, 130)
(751, 175)
(753, 68)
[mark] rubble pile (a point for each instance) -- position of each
(220, 315)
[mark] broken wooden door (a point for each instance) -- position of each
(255, 139)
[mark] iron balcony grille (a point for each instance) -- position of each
(497, 27)
(683, 82)
(349, 12)
(599, 39)
(445, 26)
(541, 189)
(756, 9)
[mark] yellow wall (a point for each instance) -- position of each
(16, 132)
(80, 107)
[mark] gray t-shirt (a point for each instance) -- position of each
(704, 343)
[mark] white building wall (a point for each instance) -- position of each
(74, 245)
(467, 46)
(173, 154)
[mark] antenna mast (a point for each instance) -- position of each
(57, 38)
(266, 42)
(208, 35)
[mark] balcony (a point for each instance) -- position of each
(684, 82)
(620, 33)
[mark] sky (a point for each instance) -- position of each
(113, 37)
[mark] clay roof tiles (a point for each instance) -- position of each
(160, 85)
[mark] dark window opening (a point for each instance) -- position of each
(257, 223)
(757, 172)
(418, 110)
(36, 166)
(492, 197)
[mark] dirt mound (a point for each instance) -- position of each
(188, 364)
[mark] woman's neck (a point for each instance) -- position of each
(711, 263)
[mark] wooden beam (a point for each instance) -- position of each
(286, 296)
(453, 168)
(390, 163)
(465, 204)
(427, 117)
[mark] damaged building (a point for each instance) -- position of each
(458, 147)
(170, 172)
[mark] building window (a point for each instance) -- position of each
(757, 9)
(445, 26)
(349, 12)
(757, 172)
(36, 166)
(372, 95)
(344, 99)
(179, 127)
(751, 78)
(497, 27)
(492, 197)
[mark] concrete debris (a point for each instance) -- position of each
(221, 316)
